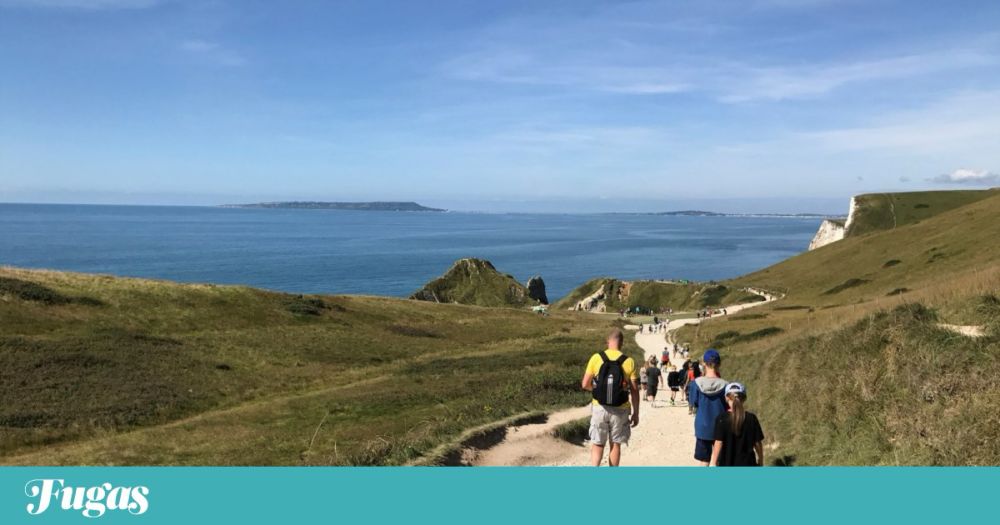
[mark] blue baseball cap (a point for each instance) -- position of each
(711, 356)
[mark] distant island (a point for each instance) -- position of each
(690, 213)
(357, 206)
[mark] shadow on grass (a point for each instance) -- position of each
(29, 291)
(784, 461)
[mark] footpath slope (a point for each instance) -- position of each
(664, 437)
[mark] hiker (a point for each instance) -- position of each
(691, 372)
(643, 378)
(652, 380)
(675, 380)
(739, 440)
(694, 370)
(665, 357)
(611, 377)
(707, 397)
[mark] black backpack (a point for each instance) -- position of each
(611, 389)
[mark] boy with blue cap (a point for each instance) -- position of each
(707, 395)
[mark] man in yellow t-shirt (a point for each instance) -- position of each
(611, 423)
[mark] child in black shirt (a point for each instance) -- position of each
(739, 440)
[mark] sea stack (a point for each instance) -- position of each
(536, 289)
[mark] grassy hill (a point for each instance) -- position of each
(885, 211)
(476, 282)
(104, 370)
(872, 266)
(854, 366)
(657, 295)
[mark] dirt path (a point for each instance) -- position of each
(664, 437)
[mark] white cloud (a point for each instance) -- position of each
(799, 4)
(962, 122)
(619, 50)
(212, 52)
(648, 88)
(963, 128)
(95, 5)
(622, 137)
(967, 176)
(727, 80)
(780, 83)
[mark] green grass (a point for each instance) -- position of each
(885, 211)
(854, 368)
(34, 292)
(890, 389)
(731, 337)
(165, 373)
(576, 431)
(657, 296)
(850, 283)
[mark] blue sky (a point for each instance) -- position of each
(749, 105)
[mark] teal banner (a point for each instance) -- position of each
(182, 495)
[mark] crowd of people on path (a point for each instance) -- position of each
(657, 326)
(711, 312)
(726, 434)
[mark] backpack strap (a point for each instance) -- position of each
(604, 357)
(621, 359)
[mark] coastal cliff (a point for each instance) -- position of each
(874, 212)
(831, 230)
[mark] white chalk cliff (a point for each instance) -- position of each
(829, 231)
(832, 230)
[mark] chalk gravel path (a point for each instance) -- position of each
(664, 437)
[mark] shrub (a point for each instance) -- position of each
(301, 305)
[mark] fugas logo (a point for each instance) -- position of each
(92, 502)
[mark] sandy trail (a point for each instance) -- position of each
(664, 437)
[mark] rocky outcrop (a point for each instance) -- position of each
(831, 230)
(477, 282)
(536, 289)
(850, 215)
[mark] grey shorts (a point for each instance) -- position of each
(609, 422)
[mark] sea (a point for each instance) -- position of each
(387, 253)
